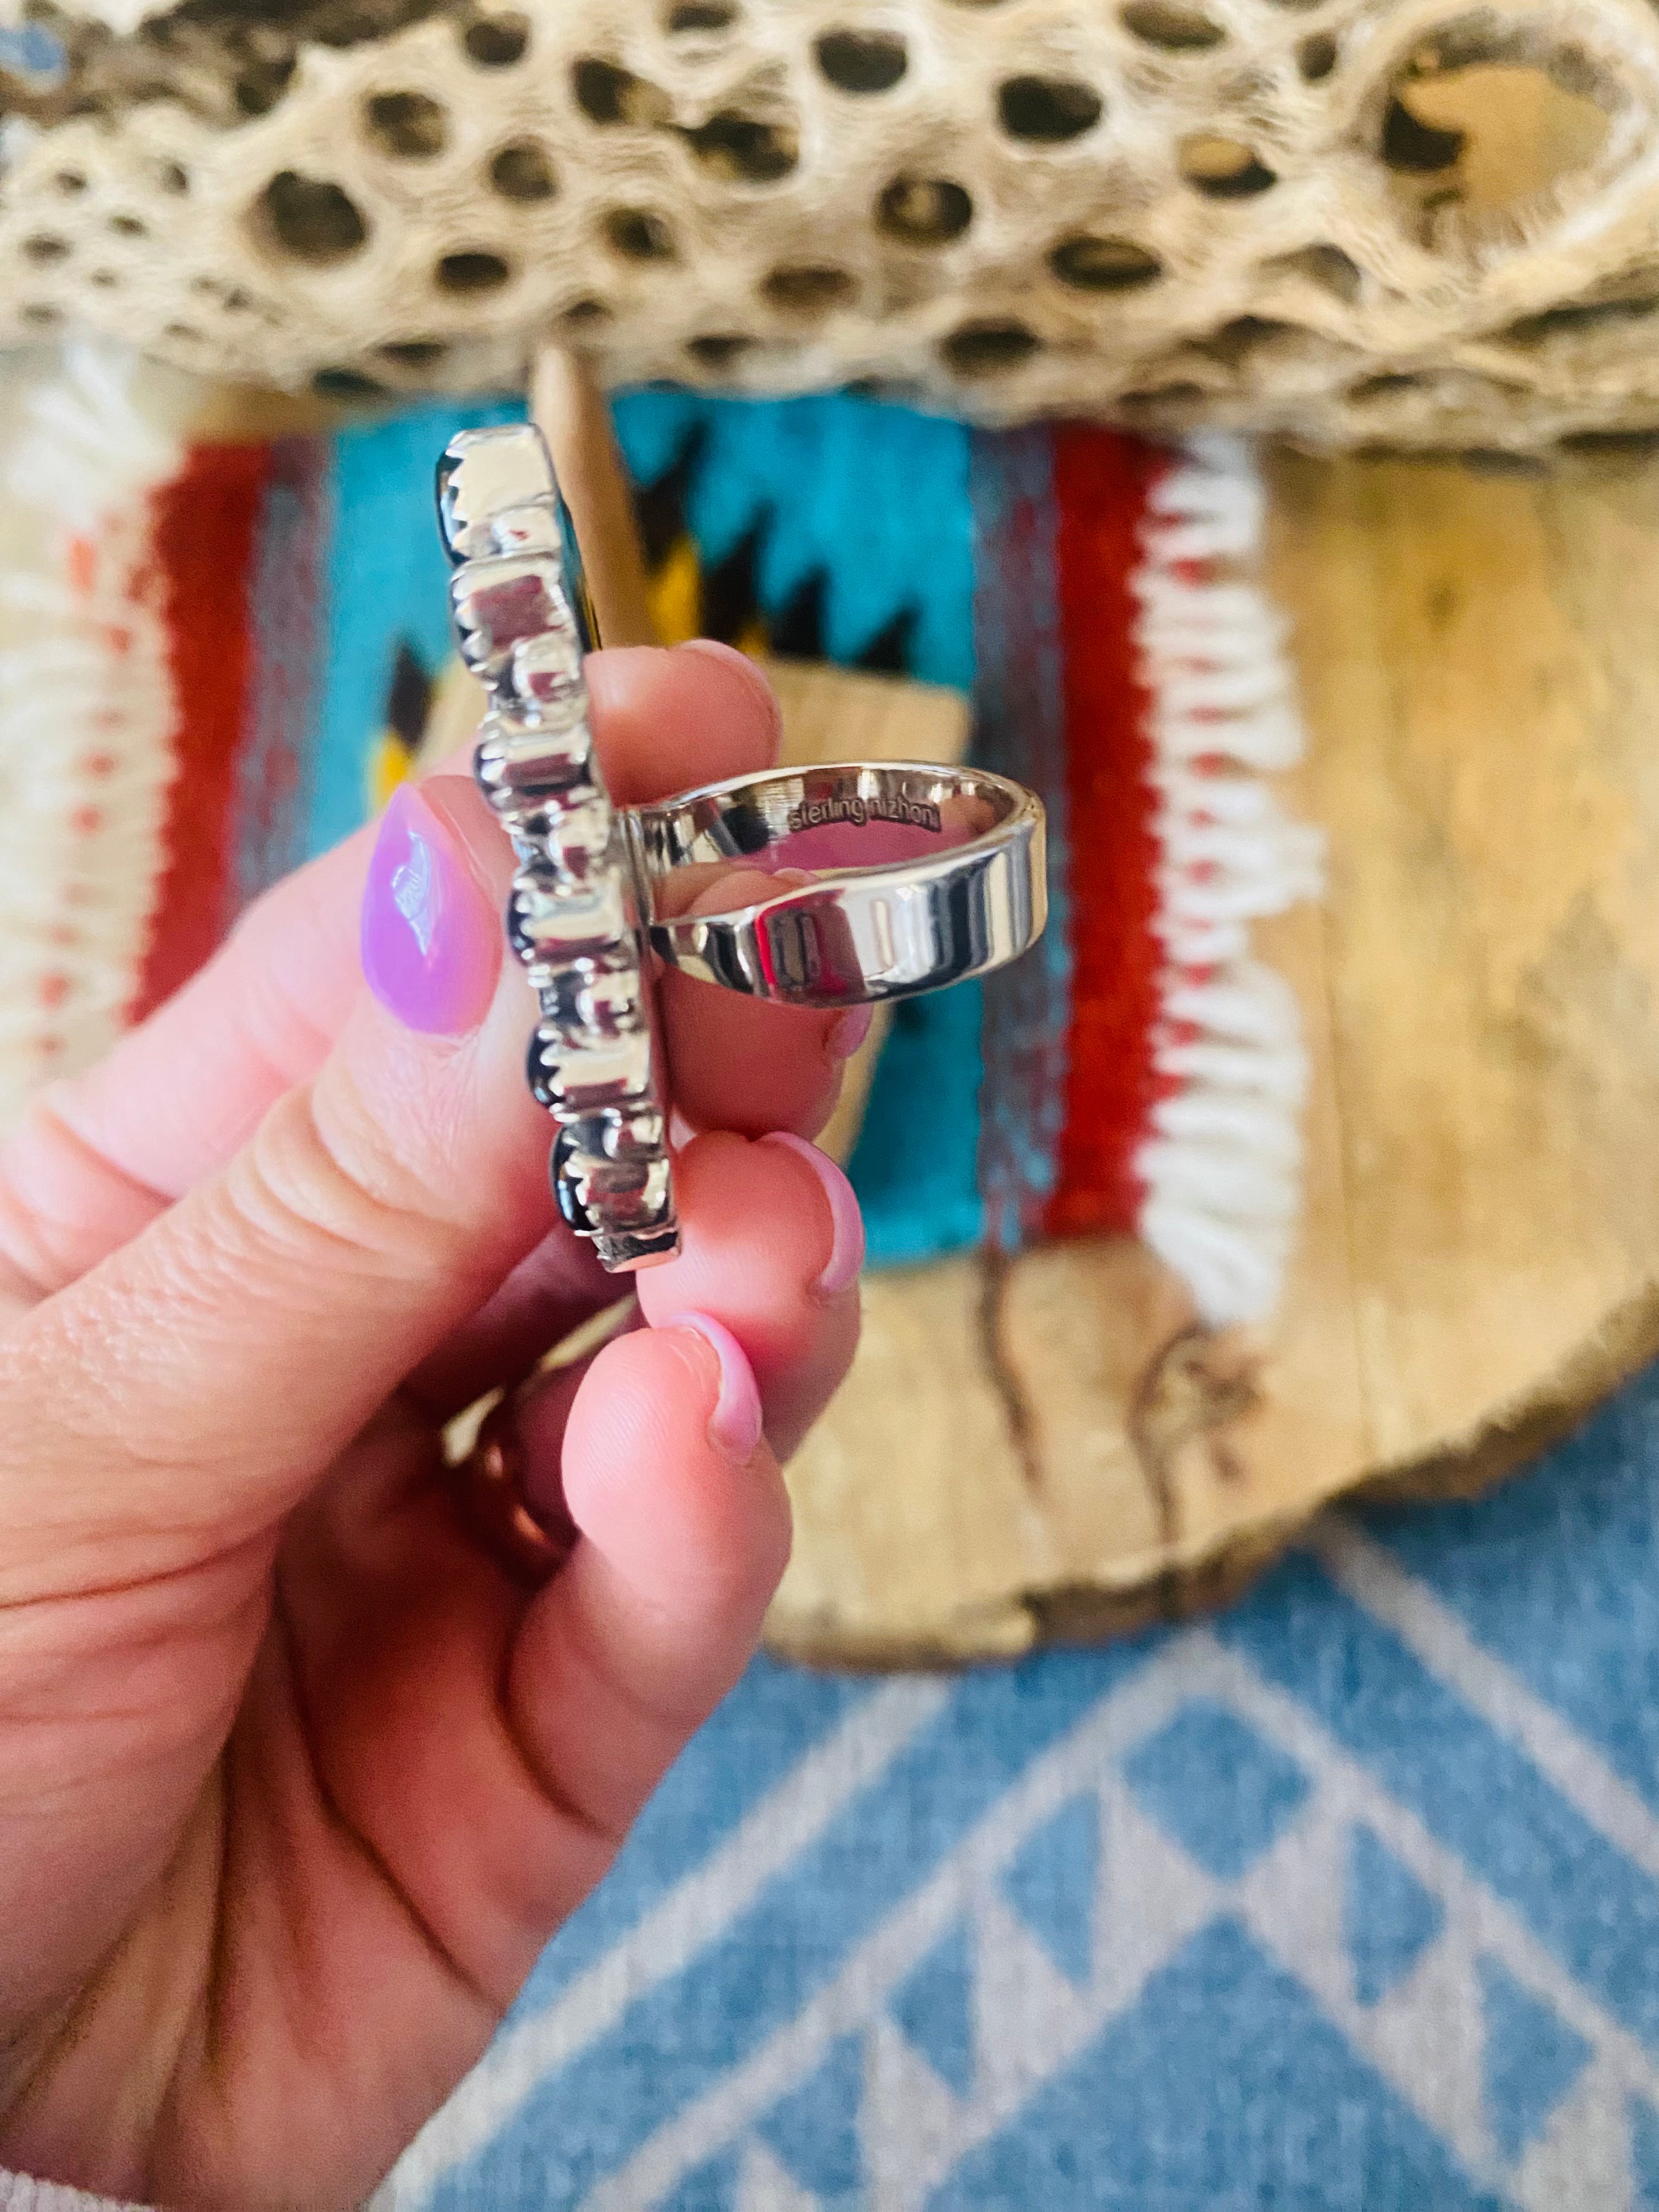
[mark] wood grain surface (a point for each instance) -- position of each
(1053, 1447)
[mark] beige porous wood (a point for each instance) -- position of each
(1352, 221)
(1053, 1447)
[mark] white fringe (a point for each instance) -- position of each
(1222, 1167)
(83, 672)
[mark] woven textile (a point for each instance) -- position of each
(1347, 1902)
(1139, 1072)
(250, 634)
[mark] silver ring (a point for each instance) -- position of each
(896, 876)
(824, 886)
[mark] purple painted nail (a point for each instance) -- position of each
(734, 1426)
(841, 1269)
(431, 945)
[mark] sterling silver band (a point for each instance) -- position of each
(824, 886)
(887, 879)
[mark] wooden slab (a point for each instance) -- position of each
(1052, 1448)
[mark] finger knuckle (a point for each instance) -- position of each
(319, 1181)
(55, 1190)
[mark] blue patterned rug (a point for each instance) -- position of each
(1349, 1898)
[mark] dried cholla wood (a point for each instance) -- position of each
(1054, 1447)
(1359, 221)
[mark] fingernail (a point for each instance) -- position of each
(847, 1032)
(734, 1426)
(751, 672)
(431, 942)
(841, 1270)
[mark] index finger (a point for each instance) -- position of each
(99, 1156)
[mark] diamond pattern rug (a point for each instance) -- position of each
(1348, 1898)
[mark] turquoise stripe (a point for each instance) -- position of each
(916, 1167)
(875, 499)
(872, 497)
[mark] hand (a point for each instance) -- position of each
(295, 1781)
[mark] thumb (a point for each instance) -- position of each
(182, 1396)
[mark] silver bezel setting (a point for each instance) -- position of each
(524, 622)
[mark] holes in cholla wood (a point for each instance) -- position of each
(744, 148)
(230, 299)
(127, 226)
(1315, 57)
(44, 249)
(473, 271)
(1416, 147)
(414, 355)
(261, 83)
(497, 42)
(1177, 29)
(523, 171)
(987, 348)
(1224, 169)
(861, 61)
(689, 17)
(638, 234)
(309, 218)
(607, 93)
(1611, 445)
(326, 23)
(1234, 343)
(1388, 384)
(1586, 317)
(1171, 406)
(1328, 266)
(223, 61)
(1104, 265)
(923, 211)
(1047, 111)
(720, 350)
(410, 126)
(346, 384)
(807, 288)
(741, 148)
(1485, 133)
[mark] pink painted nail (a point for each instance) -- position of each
(750, 671)
(847, 1032)
(846, 1257)
(431, 942)
(734, 1426)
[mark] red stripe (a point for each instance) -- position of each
(1102, 481)
(204, 533)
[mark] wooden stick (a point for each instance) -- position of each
(570, 408)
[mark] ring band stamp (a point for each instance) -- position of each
(824, 887)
